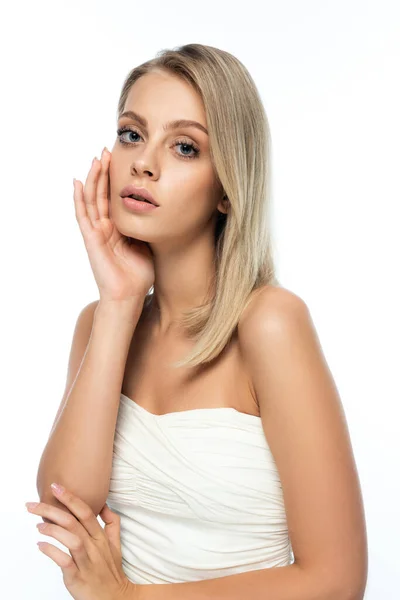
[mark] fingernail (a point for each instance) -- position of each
(31, 504)
(58, 489)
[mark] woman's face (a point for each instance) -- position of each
(180, 178)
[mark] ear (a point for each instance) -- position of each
(224, 204)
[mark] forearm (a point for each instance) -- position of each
(279, 583)
(78, 453)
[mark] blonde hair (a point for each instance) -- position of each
(239, 138)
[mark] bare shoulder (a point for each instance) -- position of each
(280, 346)
(305, 426)
(270, 307)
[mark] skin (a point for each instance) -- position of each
(301, 411)
(93, 567)
(304, 423)
(180, 232)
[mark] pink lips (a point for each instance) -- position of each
(138, 205)
(128, 190)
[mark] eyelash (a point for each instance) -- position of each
(196, 150)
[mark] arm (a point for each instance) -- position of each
(306, 430)
(278, 583)
(78, 453)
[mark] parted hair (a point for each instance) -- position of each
(240, 150)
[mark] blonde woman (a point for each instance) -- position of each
(200, 419)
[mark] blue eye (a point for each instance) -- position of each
(181, 142)
(125, 130)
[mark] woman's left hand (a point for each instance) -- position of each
(93, 571)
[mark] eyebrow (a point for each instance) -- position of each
(170, 125)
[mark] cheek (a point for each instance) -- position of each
(190, 184)
(190, 205)
(190, 210)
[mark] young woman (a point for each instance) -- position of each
(198, 401)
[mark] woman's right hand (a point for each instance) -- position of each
(123, 267)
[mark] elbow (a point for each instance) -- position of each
(349, 593)
(95, 501)
(357, 594)
(355, 582)
(350, 589)
(337, 586)
(355, 590)
(339, 591)
(51, 500)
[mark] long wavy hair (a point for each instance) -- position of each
(240, 149)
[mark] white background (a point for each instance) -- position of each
(328, 74)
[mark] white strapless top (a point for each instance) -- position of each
(198, 493)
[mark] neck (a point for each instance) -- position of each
(183, 279)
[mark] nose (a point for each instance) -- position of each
(139, 168)
(144, 163)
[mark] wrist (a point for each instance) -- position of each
(133, 591)
(121, 310)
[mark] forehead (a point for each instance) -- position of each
(161, 97)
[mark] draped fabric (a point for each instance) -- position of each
(198, 493)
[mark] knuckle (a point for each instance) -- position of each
(70, 521)
(87, 513)
(77, 545)
(69, 562)
(67, 496)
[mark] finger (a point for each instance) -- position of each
(75, 544)
(82, 217)
(102, 184)
(109, 195)
(62, 526)
(82, 512)
(63, 560)
(59, 517)
(89, 191)
(112, 530)
(108, 516)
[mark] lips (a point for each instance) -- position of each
(139, 193)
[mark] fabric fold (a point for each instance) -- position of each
(198, 493)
